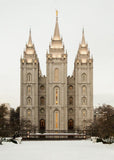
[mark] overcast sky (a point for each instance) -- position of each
(97, 18)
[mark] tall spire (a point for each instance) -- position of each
(83, 44)
(30, 39)
(56, 32)
(83, 47)
(56, 14)
(56, 48)
(30, 46)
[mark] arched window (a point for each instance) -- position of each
(70, 124)
(84, 100)
(42, 124)
(42, 100)
(71, 100)
(29, 101)
(56, 95)
(84, 77)
(56, 75)
(29, 77)
(84, 90)
(29, 90)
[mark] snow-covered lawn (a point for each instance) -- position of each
(57, 150)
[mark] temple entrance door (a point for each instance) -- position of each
(70, 125)
(42, 125)
(70, 128)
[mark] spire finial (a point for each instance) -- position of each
(56, 32)
(30, 30)
(83, 38)
(83, 31)
(56, 13)
(30, 39)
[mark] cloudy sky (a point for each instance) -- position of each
(97, 18)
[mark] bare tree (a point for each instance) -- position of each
(103, 125)
(4, 125)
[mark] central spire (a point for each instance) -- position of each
(56, 48)
(56, 32)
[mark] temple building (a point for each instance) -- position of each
(57, 102)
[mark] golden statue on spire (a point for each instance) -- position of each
(56, 13)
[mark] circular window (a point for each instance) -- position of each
(29, 112)
(42, 110)
(71, 110)
(70, 87)
(42, 87)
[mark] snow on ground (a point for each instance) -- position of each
(57, 150)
